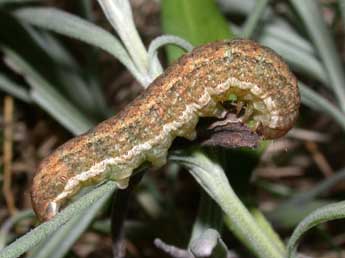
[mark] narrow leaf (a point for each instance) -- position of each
(315, 101)
(327, 213)
(48, 98)
(29, 240)
(14, 89)
(310, 13)
(62, 240)
(10, 222)
(75, 27)
(254, 17)
(119, 14)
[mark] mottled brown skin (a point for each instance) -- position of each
(163, 102)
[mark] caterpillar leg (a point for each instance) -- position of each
(239, 106)
(249, 110)
(220, 112)
(229, 119)
(257, 127)
(122, 183)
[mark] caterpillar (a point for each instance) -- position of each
(194, 86)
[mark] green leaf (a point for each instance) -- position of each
(267, 228)
(44, 94)
(10, 222)
(68, 72)
(49, 59)
(155, 67)
(327, 213)
(14, 89)
(310, 12)
(57, 245)
(252, 21)
(184, 18)
(315, 101)
(35, 236)
(119, 14)
(75, 27)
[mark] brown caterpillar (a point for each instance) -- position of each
(195, 86)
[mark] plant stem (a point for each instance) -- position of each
(212, 178)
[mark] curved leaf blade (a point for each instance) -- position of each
(35, 236)
(72, 26)
(310, 12)
(327, 213)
